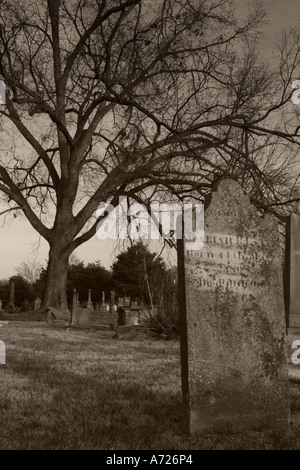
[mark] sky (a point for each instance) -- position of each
(19, 242)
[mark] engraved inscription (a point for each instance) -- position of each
(228, 262)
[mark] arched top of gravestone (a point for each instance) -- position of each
(228, 208)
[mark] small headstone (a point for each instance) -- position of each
(10, 308)
(233, 350)
(81, 316)
(37, 303)
(89, 302)
(127, 301)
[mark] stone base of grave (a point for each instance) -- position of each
(90, 326)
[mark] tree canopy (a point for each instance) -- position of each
(139, 273)
(152, 99)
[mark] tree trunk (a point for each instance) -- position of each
(55, 293)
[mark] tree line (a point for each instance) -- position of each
(137, 272)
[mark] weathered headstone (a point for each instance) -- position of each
(57, 314)
(81, 316)
(293, 274)
(234, 364)
(11, 306)
(89, 302)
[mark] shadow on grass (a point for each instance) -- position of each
(119, 397)
(102, 410)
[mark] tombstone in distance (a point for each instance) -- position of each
(233, 351)
(37, 303)
(10, 308)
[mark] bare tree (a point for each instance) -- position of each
(136, 98)
(29, 270)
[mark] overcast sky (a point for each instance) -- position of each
(19, 242)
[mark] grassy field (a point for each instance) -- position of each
(82, 389)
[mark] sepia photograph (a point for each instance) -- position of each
(149, 227)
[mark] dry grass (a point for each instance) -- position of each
(82, 389)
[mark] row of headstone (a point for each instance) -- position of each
(90, 305)
(122, 301)
(103, 314)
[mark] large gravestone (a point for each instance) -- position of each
(234, 365)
